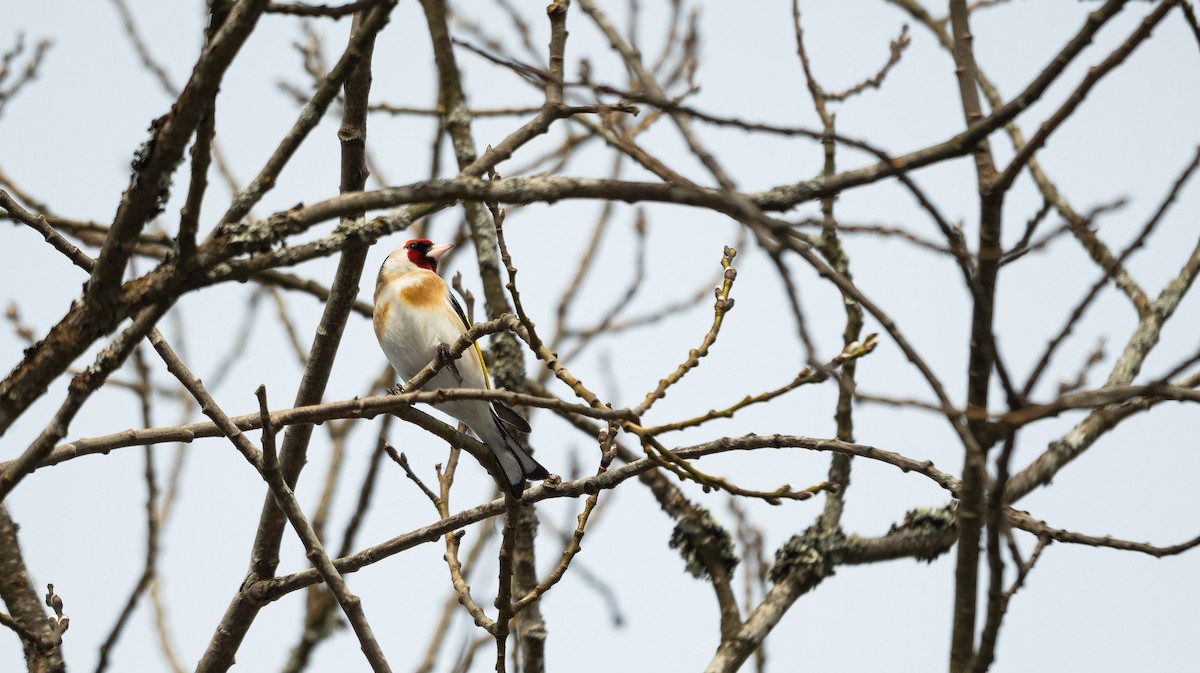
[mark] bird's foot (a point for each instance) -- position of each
(395, 389)
(448, 362)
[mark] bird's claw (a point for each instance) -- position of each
(448, 362)
(395, 389)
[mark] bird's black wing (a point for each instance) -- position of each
(507, 415)
(462, 315)
(504, 413)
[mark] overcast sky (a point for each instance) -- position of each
(68, 137)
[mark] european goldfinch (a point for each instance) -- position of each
(415, 318)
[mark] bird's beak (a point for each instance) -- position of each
(437, 251)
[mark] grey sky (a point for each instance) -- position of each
(68, 137)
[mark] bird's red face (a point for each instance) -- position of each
(424, 254)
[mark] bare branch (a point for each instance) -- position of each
(330, 11)
(1026, 522)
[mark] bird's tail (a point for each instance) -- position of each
(514, 460)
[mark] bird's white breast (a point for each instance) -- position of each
(413, 316)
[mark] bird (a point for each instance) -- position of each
(416, 318)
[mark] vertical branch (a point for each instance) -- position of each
(189, 215)
(998, 598)
(557, 11)
(504, 606)
(1079, 224)
(203, 147)
(524, 582)
(312, 387)
(352, 134)
(830, 247)
(979, 368)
